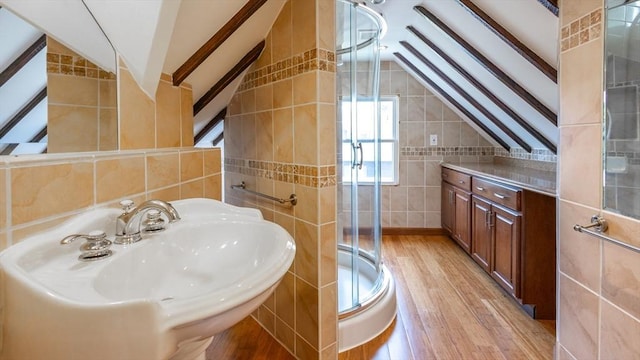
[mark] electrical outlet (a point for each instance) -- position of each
(433, 139)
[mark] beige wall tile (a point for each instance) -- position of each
(212, 161)
(3, 200)
(304, 22)
(264, 135)
(192, 189)
(577, 319)
(285, 335)
(563, 354)
(267, 319)
(168, 124)
(304, 350)
(108, 93)
(72, 90)
(36, 191)
(285, 297)
(573, 10)
(3, 241)
(108, 138)
(186, 116)
(328, 254)
(19, 234)
(619, 334)
(621, 278)
(307, 251)
(213, 187)
(305, 123)
(578, 253)
(305, 88)
(167, 194)
(328, 314)
(309, 211)
(581, 85)
(118, 178)
(327, 134)
(72, 128)
(281, 33)
(265, 57)
(623, 228)
(248, 127)
(580, 178)
(162, 170)
(248, 101)
(327, 204)
(137, 115)
(264, 97)
(282, 93)
(283, 135)
(191, 165)
(326, 34)
(307, 307)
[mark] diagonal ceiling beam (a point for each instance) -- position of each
(551, 5)
(210, 125)
(452, 101)
(488, 114)
(8, 149)
(490, 67)
(216, 40)
(23, 59)
(510, 40)
(218, 138)
(40, 135)
(486, 92)
(23, 112)
(228, 77)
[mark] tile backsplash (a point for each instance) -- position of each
(41, 191)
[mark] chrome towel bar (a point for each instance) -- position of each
(292, 198)
(600, 225)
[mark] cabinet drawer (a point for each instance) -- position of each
(456, 178)
(499, 194)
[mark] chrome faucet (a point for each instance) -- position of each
(128, 223)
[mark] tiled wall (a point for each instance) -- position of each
(415, 202)
(280, 139)
(598, 282)
(40, 191)
(81, 103)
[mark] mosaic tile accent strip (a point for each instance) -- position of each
(447, 151)
(311, 60)
(77, 66)
(536, 154)
(581, 31)
(312, 176)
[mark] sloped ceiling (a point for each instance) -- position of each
(532, 23)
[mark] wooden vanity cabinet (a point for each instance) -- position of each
(512, 237)
(456, 207)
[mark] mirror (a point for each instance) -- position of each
(622, 120)
(56, 100)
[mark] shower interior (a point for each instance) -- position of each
(366, 292)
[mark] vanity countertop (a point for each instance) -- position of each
(540, 181)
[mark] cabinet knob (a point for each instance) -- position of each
(460, 181)
(479, 188)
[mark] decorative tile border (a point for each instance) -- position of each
(515, 153)
(581, 31)
(307, 175)
(311, 60)
(535, 155)
(77, 66)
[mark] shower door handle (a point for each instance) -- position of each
(355, 149)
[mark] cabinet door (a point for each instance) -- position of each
(462, 219)
(447, 207)
(505, 249)
(481, 232)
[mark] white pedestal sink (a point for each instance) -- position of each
(161, 298)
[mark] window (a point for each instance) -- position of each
(366, 136)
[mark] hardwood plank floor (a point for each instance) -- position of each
(448, 308)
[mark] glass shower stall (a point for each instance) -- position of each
(366, 293)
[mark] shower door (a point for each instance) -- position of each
(359, 156)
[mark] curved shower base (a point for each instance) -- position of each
(377, 308)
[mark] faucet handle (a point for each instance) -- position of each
(126, 205)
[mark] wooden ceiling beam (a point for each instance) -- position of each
(40, 135)
(486, 92)
(231, 75)
(470, 99)
(218, 138)
(210, 125)
(452, 101)
(547, 69)
(489, 66)
(23, 112)
(551, 5)
(23, 59)
(216, 40)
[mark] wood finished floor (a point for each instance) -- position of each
(448, 308)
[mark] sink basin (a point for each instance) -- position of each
(161, 298)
